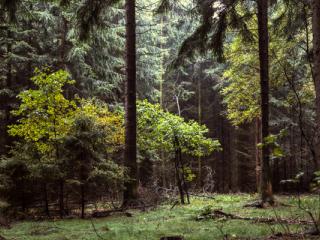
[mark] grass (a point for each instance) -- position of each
(163, 222)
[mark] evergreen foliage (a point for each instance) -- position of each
(199, 104)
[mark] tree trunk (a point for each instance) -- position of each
(161, 90)
(9, 51)
(61, 198)
(258, 152)
(179, 175)
(266, 185)
(130, 155)
(199, 120)
(7, 107)
(234, 159)
(316, 71)
(45, 199)
(82, 200)
(179, 171)
(64, 32)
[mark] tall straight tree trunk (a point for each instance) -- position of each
(316, 71)
(162, 155)
(130, 155)
(9, 86)
(200, 122)
(82, 189)
(266, 185)
(258, 152)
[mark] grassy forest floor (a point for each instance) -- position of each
(181, 221)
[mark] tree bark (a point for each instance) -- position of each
(258, 152)
(45, 199)
(9, 65)
(199, 120)
(316, 71)
(130, 155)
(61, 198)
(82, 200)
(64, 31)
(7, 108)
(266, 185)
(179, 170)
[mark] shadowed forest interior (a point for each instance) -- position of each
(160, 119)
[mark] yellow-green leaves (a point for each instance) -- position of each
(111, 123)
(273, 142)
(242, 91)
(45, 115)
(157, 129)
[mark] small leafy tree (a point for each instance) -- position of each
(94, 138)
(111, 122)
(45, 117)
(85, 153)
(159, 129)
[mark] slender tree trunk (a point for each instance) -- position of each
(179, 181)
(61, 198)
(234, 160)
(199, 120)
(7, 107)
(9, 65)
(82, 200)
(30, 39)
(258, 152)
(178, 170)
(64, 31)
(130, 155)
(162, 154)
(45, 199)
(223, 163)
(316, 71)
(60, 180)
(266, 185)
(184, 181)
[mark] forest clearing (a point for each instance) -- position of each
(184, 221)
(159, 119)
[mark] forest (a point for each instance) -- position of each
(159, 119)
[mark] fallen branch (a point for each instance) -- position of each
(219, 214)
